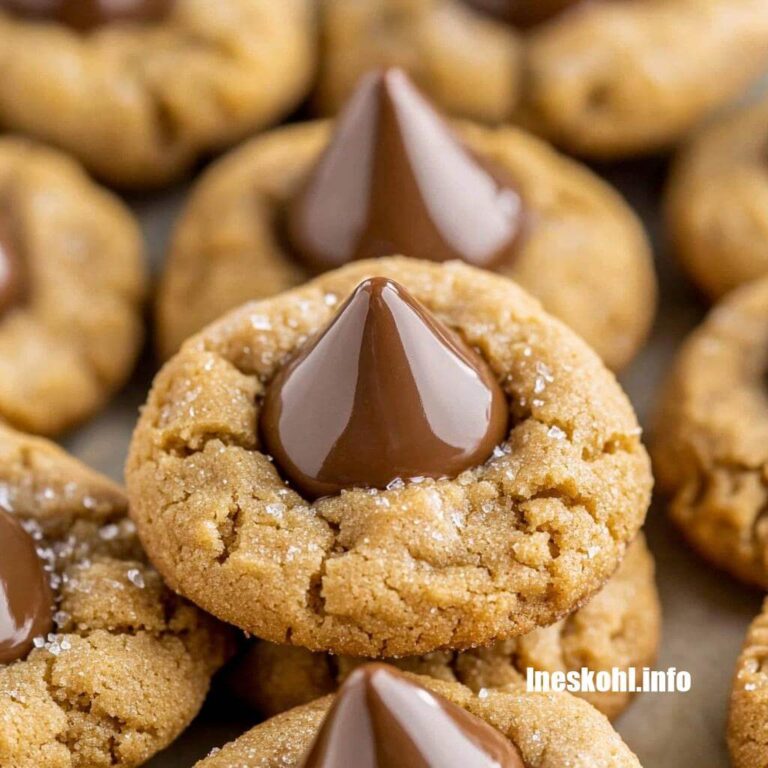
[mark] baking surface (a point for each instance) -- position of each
(705, 613)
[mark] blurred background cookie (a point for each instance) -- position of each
(717, 202)
(72, 285)
(391, 176)
(138, 90)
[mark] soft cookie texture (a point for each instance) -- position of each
(711, 435)
(748, 717)
(619, 627)
(717, 202)
(550, 730)
(606, 79)
(73, 339)
(128, 664)
(518, 542)
(582, 246)
(138, 103)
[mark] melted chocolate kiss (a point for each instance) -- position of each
(386, 391)
(26, 601)
(380, 719)
(12, 282)
(396, 180)
(89, 14)
(523, 13)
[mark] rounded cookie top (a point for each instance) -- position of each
(546, 730)
(71, 289)
(618, 628)
(581, 246)
(124, 664)
(139, 102)
(717, 202)
(748, 715)
(517, 542)
(711, 435)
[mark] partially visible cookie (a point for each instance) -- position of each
(717, 202)
(618, 628)
(72, 282)
(748, 716)
(138, 97)
(122, 665)
(577, 244)
(378, 709)
(710, 442)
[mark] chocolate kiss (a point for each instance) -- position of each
(396, 180)
(523, 13)
(26, 601)
(11, 271)
(386, 391)
(380, 719)
(89, 14)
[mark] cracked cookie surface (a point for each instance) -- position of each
(619, 627)
(748, 716)
(717, 202)
(550, 730)
(516, 543)
(74, 337)
(139, 103)
(711, 435)
(582, 246)
(607, 79)
(128, 663)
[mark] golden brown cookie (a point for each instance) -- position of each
(603, 79)
(711, 435)
(123, 665)
(748, 716)
(506, 546)
(71, 290)
(139, 102)
(545, 730)
(717, 202)
(579, 246)
(618, 628)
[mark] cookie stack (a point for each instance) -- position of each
(384, 471)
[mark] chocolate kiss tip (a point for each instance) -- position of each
(385, 392)
(25, 594)
(396, 179)
(11, 271)
(382, 719)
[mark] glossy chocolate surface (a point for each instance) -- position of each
(85, 15)
(523, 13)
(26, 600)
(395, 179)
(12, 271)
(386, 391)
(381, 719)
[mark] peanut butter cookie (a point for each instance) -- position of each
(267, 217)
(717, 202)
(748, 717)
(100, 665)
(398, 457)
(618, 628)
(604, 79)
(711, 435)
(71, 288)
(139, 89)
(396, 720)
